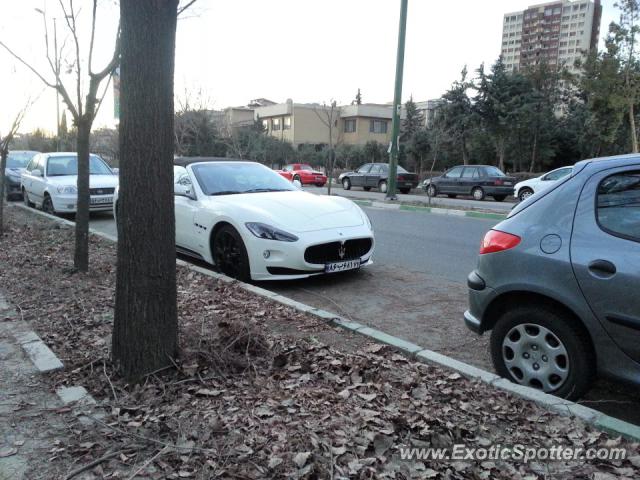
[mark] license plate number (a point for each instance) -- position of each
(101, 200)
(342, 266)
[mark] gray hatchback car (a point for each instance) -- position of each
(558, 282)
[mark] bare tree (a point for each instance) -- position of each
(329, 115)
(5, 141)
(145, 330)
(83, 110)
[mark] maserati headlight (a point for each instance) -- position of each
(69, 189)
(268, 232)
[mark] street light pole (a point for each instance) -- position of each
(397, 105)
(55, 47)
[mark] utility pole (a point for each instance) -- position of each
(397, 106)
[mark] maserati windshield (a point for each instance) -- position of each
(229, 178)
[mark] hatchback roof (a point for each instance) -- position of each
(609, 162)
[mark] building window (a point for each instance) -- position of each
(350, 125)
(286, 123)
(378, 126)
(275, 124)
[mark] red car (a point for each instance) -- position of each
(304, 173)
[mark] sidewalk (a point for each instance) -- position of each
(32, 419)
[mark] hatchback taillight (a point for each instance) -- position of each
(497, 241)
(401, 178)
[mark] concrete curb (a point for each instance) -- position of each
(435, 209)
(557, 405)
(38, 352)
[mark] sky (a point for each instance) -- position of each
(229, 52)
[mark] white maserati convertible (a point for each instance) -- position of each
(251, 223)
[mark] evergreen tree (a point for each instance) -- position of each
(457, 114)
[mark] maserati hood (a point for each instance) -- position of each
(294, 211)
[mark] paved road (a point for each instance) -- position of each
(420, 198)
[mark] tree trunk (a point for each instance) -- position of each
(500, 148)
(632, 127)
(145, 333)
(534, 153)
(81, 254)
(465, 155)
(3, 166)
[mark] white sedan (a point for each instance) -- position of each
(253, 224)
(525, 189)
(50, 182)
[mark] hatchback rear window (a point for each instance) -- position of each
(619, 205)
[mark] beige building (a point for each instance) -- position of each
(300, 123)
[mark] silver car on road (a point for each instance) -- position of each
(558, 282)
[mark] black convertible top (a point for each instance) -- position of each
(184, 161)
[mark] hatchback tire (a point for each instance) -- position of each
(432, 191)
(405, 190)
(543, 348)
(499, 198)
(478, 194)
(346, 184)
(366, 189)
(382, 186)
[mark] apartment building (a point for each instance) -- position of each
(300, 123)
(558, 33)
(429, 110)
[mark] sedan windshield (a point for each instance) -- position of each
(228, 178)
(19, 159)
(59, 166)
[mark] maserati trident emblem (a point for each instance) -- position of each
(342, 251)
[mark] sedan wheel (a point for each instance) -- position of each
(524, 194)
(432, 191)
(346, 184)
(543, 349)
(382, 186)
(230, 255)
(47, 205)
(25, 199)
(478, 194)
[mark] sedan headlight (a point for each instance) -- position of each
(268, 232)
(69, 189)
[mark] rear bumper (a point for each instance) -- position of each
(480, 296)
(492, 190)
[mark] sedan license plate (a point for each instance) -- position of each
(101, 200)
(508, 183)
(342, 266)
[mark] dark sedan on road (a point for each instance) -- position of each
(479, 181)
(376, 175)
(557, 282)
(17, 161)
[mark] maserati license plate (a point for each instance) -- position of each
(342, 266)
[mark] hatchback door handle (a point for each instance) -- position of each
(602, 267)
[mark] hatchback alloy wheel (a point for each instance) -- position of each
(535, 357)
(543, 347)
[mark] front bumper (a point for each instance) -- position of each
(286, 259)
(12, 188)
(69, 203)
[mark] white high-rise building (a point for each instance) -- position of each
(558, 33)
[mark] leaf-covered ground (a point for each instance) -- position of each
(260, 390)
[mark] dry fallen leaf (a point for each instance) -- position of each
(301, 459)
